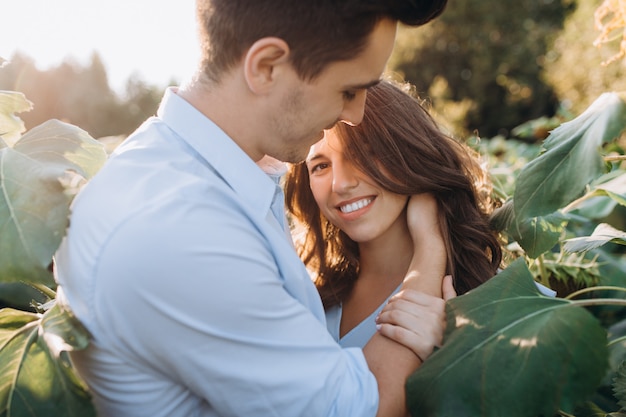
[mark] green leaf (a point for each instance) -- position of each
(572, 159)
(61, 146)
(509, 351)
(12, 126)
(33, 217)
(615, 188)
(536, 235)
(63, 331)
(603, 234)
(21, 296)
(539, 234)
(503, 217)
(36, 189)
(34, 381)
(619, 385)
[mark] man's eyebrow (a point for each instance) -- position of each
(364, 86)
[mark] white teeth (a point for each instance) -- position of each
(349, 208)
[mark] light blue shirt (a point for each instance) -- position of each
(361, 333)
(197, 303)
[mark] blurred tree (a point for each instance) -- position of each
(489, 52)
(80, 95)
(576, 70)
(140, 102)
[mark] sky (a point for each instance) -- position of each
(152, 39)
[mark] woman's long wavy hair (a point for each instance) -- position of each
(400, 147)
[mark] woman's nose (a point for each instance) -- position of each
(345, 177)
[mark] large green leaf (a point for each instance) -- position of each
(509, 351)
(572, 159)
(36, 189)
(33, 217)
(603, 234)
(539, 234)
(34, 379)
(536, 235)
(12, 126)
(61, 146)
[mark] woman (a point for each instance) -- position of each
(354, 226)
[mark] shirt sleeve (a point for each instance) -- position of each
(194, 292)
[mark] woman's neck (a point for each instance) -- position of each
(385, 258)
(382, 268)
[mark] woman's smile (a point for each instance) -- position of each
(357, 205)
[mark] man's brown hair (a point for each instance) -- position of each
(318, 32)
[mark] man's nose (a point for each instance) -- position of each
(353, 110)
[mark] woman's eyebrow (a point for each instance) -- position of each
(313, 157)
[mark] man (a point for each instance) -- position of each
(174, 260)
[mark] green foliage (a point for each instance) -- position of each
(540, 128)
(489, 52)
(516, 349)
(619, 385)
(571, 161)
(35, 378)
(574, 70)
(526, 354)
(567, 271)
(40, 172)
(602, 235)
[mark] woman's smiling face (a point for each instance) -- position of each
(348, 197)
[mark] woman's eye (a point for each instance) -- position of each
(318, 167)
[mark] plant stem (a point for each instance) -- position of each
(600, 302)
(44, 290)
(542, 272)
(591, 289)
(614, 341)
(612, 158)
(577, 202)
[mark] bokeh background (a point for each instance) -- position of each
(486, 67)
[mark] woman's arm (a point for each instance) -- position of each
(428, 265)
(390, 361)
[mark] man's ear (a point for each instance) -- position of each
(261, 61)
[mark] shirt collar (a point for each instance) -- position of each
(213, 145)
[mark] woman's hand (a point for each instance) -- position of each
(415, 319)
(429, 262)
(422, 218)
